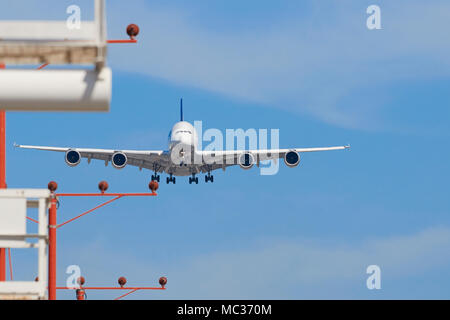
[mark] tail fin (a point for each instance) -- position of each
(181, 109)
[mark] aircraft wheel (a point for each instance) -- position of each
(167, 180)
(206, 178)
(173, 180)
(212, 179)
(196, 180)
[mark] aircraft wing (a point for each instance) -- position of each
(139, 158)
(221, 159)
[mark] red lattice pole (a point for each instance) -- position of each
(52, 243)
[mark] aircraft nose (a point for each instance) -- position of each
(185, 140)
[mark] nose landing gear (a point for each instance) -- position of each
(170, 179)
(193, 179)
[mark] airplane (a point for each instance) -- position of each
(182, 147)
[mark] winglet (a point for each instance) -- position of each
(181, 109)
(347, 146)
(16, 145)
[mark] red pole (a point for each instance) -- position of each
(2, 179)
(52, 249)
(81, 294)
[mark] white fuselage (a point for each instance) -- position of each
(182, 144)
(182, 132)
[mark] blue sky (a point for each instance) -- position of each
(312, 70)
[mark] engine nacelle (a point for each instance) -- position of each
(246, 160)
(119, 160)
(72, 157)
(292, 159)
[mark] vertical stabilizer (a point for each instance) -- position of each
(181, 109)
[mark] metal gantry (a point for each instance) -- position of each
(50, 226)
(53, 226)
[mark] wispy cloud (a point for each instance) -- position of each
(318, 60)
(312, 65)
(279, 268)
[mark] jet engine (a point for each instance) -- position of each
(119, 160)
(292, 159)
(246, 160)
(72, 157)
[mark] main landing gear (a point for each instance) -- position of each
(193, 179)
(155, 177)
(209, 177)
(170, 179)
